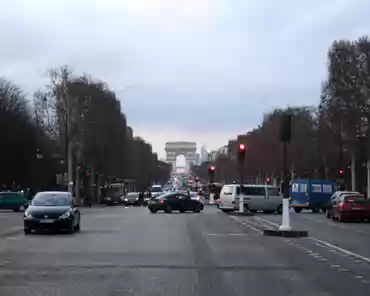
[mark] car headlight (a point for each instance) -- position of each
(126, 199)
(27, 215)
(107, 198)
(66, 215)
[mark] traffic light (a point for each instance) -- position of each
(241, 152)
(341, 173)
(268, 180)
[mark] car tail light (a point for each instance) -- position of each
(161, 201)
(344, 206)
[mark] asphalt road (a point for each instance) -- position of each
(128, 251)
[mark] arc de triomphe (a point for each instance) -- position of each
(187, 149)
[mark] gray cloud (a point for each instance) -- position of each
(207, 67)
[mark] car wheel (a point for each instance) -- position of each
(78, 227)
(153, 211)
(327, 214)
(279, 209)
(197, 210)
(168, 209)
(27, 231)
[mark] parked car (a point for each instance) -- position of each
(350, 207)
(336, 195)
(15, 201)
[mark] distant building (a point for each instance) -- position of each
(197, 160)
(203, 154)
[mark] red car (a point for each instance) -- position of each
(351, 207)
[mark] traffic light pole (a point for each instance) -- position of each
(241, 197)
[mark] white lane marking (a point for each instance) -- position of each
(266, 221)
(359, 277)
(365, 282)
(246, 224)
(344, 251)
(329, 245)
(335, 265)
(227, 234)
(343, 269)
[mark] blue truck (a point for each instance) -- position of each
(311, 194)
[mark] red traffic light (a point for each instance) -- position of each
(241, 147)
(341, 172)
(212, 168)
(268, 180)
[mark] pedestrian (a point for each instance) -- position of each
(141, 198)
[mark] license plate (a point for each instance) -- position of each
(47, 221)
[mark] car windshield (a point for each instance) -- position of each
(156, 189)
(51, 200)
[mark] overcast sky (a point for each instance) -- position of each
(194, 70)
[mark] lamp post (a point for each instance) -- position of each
(241, 158)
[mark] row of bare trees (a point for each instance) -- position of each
(75, 125)
(329, 141)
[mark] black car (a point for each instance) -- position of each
(52, 211)
(175, 201)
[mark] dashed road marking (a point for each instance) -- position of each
(329, 245)
(246, 224)
(227, 234)
(335, 265)
(343, 251)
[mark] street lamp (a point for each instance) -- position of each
(241, 158)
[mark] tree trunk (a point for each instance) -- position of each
(353, 171)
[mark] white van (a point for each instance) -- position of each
(265, 198)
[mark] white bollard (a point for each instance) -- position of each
(285, 226)
(241, 203)
(211, 198)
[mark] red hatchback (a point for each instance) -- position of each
(351, 207)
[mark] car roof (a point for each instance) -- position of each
(55, 192)
(252, 185)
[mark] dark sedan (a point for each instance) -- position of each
(52, 211)
(175, 202)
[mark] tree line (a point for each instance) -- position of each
(329, 141)
(74, 124)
